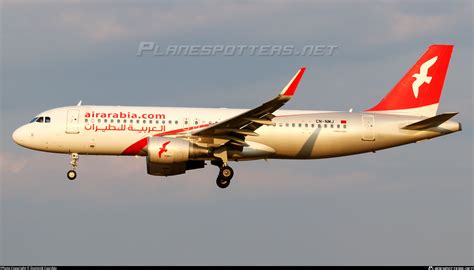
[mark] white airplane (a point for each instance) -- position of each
(175, 140)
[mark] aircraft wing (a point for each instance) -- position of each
(235, 129)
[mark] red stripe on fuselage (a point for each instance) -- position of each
(138, 146)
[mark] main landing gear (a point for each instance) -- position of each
(225, 174)
(71, 174)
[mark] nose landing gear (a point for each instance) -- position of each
(71, 174)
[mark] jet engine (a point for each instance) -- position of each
(171, 156)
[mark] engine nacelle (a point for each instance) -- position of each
(161, 169)
(162, 150)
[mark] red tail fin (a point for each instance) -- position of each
(419, 91)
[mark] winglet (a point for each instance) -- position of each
(290, 88)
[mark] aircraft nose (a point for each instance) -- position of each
(18, 136)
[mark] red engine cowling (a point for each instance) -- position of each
(164, 150)
(172, 156)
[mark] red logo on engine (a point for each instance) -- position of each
(163, 149)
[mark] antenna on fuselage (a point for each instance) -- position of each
(79, 104)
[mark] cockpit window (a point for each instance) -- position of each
(41, 119)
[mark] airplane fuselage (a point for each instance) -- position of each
(295, 134)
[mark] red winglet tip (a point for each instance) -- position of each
(290, 89)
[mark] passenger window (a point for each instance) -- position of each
(118, 121)
(319, 125)
(332, 126)
(312, 125)
(293, 124)
(325, 125)
(170, 122)
(144, 121)
(305, 125)
(338, 126)
(40, 120)
(125, 120)
(111, 120)
(105, 120)
(86, 120)
(151, 121)
(344, 126)
(98, 120)
(176, 122)
(138, 121)
(287, 125)
(299, 125)
(47, 119)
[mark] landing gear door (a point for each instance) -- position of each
(368, 131)
(72, 125)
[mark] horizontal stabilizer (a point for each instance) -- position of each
(431, 122)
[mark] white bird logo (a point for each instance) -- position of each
(422, 77)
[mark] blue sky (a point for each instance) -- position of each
(407, 205)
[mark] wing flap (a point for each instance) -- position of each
(237, 131)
